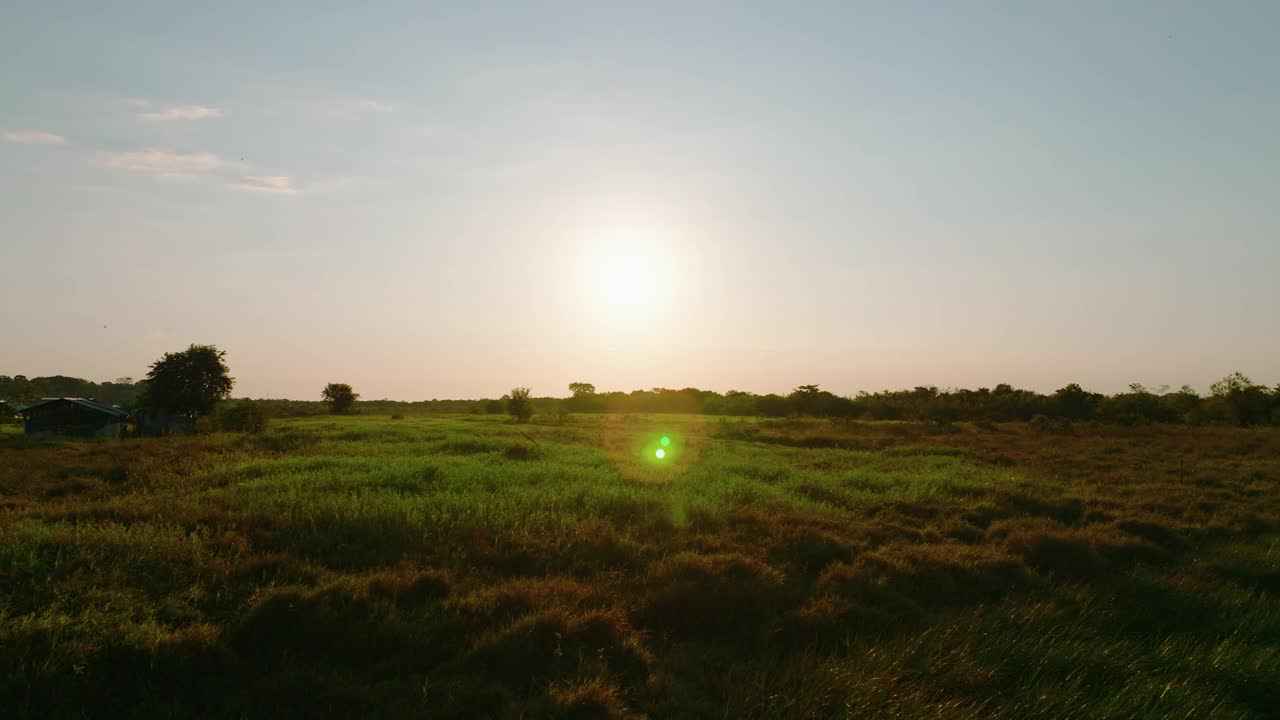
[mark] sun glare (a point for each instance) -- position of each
(629, 272)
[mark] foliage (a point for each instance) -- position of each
(246, 416)
(20, 389)
(340, 397)
(518, 404)
(1075, 403)
(583, 398)
(190, 382)
(1242, 402)
(1239, 401)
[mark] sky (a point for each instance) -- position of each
(446, 200)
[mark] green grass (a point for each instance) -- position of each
(469, 567)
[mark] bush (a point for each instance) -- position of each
(518, 404)
(246, 417)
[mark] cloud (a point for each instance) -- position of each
(32, 137)
(277, 184)
(165, 111)
(163, 163)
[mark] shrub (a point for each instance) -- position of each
(519, 406)
(245, 416)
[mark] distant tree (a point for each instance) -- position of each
(519, 405)
(772, 405)
(1245, 403)
(812, 400)
(493, 407)
(190, 382)
(584, 398)
(805, 399)
(20, 390)
(1184, 405)
(1075, 403)
(340, 397)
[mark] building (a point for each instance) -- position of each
(10, 412)
(74, 416)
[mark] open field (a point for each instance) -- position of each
(465, 566)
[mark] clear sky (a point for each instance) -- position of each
(446, 200)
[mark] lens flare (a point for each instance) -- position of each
(665, 441)
(661, 453)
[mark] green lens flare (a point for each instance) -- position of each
(661, 453)
(665, 441)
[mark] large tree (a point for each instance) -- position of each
(340, 397)
(190, 382)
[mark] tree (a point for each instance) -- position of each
(772, 405)
(519, 405)
(584, 397)
(812, 400)
(1246, 403)
(190, 382)
(340, 397)
(1075, 403)
(18, 389)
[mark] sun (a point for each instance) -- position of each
(629, 273)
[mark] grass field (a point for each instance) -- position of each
(465, 566)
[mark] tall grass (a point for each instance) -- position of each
(473, 567)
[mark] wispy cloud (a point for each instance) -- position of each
(32, 137)
(277, 184)
(170, 164)
(152, 110)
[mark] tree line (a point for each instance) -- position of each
(20, 389)
(194, 382)
(1235, 399)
